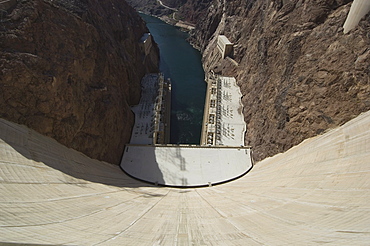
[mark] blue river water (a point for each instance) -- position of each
(182, 63)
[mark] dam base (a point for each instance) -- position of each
(150, 158)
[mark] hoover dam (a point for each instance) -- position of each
(315, 193)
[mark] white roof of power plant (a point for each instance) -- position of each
(224, 39)
(315, 193)
(231, 121)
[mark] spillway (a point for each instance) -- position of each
(317, 192)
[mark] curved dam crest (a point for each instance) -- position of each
(220, 157)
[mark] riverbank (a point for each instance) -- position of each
(183, 25)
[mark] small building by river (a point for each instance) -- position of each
(224, 46)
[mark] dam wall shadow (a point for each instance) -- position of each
(35, 150)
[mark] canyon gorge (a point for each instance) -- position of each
(71, 69)
(300, 75)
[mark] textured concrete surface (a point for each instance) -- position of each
(315, 193)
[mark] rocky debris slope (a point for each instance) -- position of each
(71, 69)
(298, 73)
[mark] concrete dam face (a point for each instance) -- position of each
(315, 193)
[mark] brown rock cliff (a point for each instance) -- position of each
(298, 73)
(193, 11)
(190, 11)
(71, 69)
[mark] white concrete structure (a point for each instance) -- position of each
(185, 166)
(143, 129)
(148, 159)
(224, 46)
(223, 113)
(316, 193)
(358, 10)
(152, 113)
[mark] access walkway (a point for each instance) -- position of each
(316, 193)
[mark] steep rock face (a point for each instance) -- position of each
(149, 7)
(71, 69)
(174, 3)
(193, 10)
(298, 73)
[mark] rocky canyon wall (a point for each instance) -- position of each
(71, 69)
(190, 11)
(298, 73)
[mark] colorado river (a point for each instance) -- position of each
(182, 63)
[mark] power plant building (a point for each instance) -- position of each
(224, 46)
